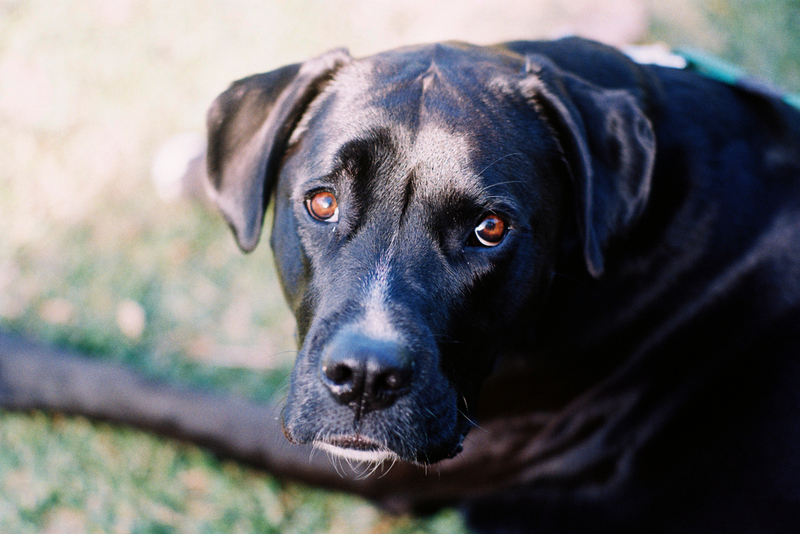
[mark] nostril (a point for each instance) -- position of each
(343, 377)
(393, 380)
(339, 373)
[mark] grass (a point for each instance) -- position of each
(163, 487)
(91, 258)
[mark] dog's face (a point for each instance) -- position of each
(421, 232)
(419, 200)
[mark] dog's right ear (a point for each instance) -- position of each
(249, 126)
(609, 146)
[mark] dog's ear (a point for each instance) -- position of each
(609, 147)
(249, 126)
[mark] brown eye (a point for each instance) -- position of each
(323, 207)
(491, 231)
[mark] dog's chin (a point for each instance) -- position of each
(357, 449)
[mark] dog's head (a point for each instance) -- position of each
(419, 200)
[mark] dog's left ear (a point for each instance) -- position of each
(609, 147)
(249, 126)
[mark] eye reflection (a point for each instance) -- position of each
(323, 207)
(491, 231)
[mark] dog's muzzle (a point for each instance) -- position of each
(369, 396)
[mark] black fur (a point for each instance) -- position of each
(651, 270)
(631, 347)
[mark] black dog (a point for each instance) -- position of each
(617, 244)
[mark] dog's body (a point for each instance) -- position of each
(621, 243)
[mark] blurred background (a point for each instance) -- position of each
(100, 253)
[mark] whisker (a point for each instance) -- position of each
(386, 472)
(498, 160)
(472, 422)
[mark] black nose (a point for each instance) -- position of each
(366, 373)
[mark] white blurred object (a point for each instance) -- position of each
(171, 164)
(655, 54)
(131, 319)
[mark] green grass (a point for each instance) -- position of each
(88, 90)
(57, 470)
(759, 35)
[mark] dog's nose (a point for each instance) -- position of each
(366, 373)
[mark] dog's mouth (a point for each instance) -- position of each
(356, 448)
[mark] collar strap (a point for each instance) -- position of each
(720, 70)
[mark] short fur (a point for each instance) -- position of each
(629, 352)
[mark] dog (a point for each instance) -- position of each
(567, 281)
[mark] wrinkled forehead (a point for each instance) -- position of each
(435, 120)
(438, 158)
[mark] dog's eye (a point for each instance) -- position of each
(323, 207)
(491, 231)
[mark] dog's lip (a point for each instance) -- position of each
(356, 447)
(357, 442)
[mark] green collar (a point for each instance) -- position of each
(721, 70)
